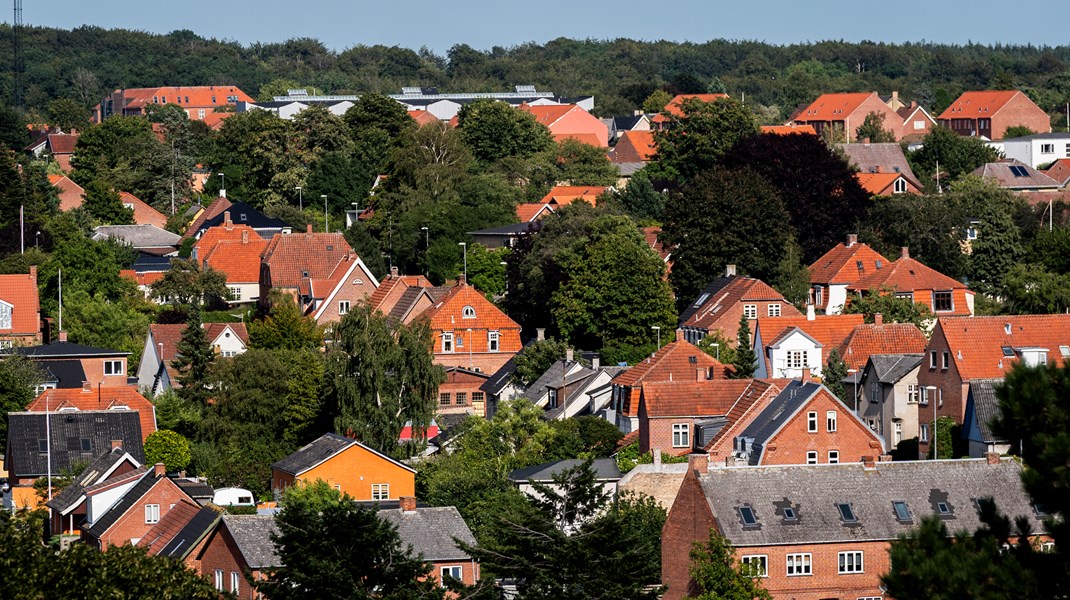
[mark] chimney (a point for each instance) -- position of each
(852, 239)
(87, 387)
(992, 458)
(869, 463)
(308, 229)
(700, 374)
(729, 270)
(865, 141)
(158, 470)
(810, 314)
(657, 459)
(805, 377)
(63, 336)
(596, 362)
(698, 462)
(227, 223)
(245, 236)
(540, 334)
(569, 355)
(116, 444)
(904, 252)
(222, 193)
(33, 273)
(679, 335)
(878, 319)
(408, 503)
(393, 272)
(895, 96)
(462, 279)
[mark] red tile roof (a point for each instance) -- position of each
(633, 147)
(213, 210)
(971, 105)
(828, 330)
(833, 107)
(143, 213)
(445, 315)
(296, 258)
(840, 265)
(906, 274)
(423, 117)
(676, 360)
(548, 114)
(145, 279)
(881, 184)
(20, 291)
(692, 398)
(788, 129)
(725, 305)
(529, 211)
(563, 195)
(977, 343)
(201, 96)
(650, 234)
(1060, 171)
(62, 143)
(675, 106)
(750, 405)
(238, 259)
(584, 138)
(214, 120)
(71, 195)
(102, 398)
(892, 338)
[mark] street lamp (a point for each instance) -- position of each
(717, 351)
(222, 182)
(326, 226)
(657, 328)
(854, 377)
(300, 197)
(356, 213)
(37, 239)
(926, 389)
(464, 245)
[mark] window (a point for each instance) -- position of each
(380, 491)
(898, 428)
(750, 311)
(5, 315)
(946, 361)
(114, 367)
(797, 359)
(343, 307)
(757, 565)
(219, 579)
(493, 341)
(834, 457)
(943, 509)
(245, 217)
(923, 433)
(789, 514)
(942, 301)
(900, 186)
(850, 562)
(152, 513)
(847, 514)
(235, 293)
(830, 421)
(811, 422)
(800, 564)
(200, 114)
(477, 397)
(447, 342)
(468, 313)
(932, 359)
(229, 353)
(923, 396)
(811, 457)
(42, 446)
(213, 99)
(746, 514)
(552, 397)
(6, 344)
(87, 445)
(444, 399)
(1047, 148)
(919, 124)
(681, 435)
(773, 310)
(234, 582)
(971, 233)
(450, 572)
(462, 398)
(912, 393)
(902, 512)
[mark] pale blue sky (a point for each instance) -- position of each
(438, 25)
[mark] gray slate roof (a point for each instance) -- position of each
(552, 378)
(788, 402)
(252, 534)
(878, 158)
(985, 406)
(431, 532)
(138, 236)
(67, 374)
(890, 368)
(27, 429)
(252, 217)
(605, 469)
(813, 492)
(72, 495)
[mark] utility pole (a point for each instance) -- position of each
(17, 65)
(326, 226)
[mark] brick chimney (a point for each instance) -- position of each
(308, 229)
(227, 223)
(408, 503)
(245, 236)
(698, 462)
(852, 239)
(869, 463)
(158, 470)
(729, 270)
(679, 335)
(393, 272)
(992, 458)
(462, 279)
(33, 273)
(904, 252)
(878, 319)
(805, 377)
(116, 444)
(62, 336)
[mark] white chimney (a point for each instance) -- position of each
(810, 314)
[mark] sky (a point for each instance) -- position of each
(482, 24)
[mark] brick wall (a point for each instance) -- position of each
(950, 394)
(689, 521)
(657, 433)
(469, 570)
(132, 524)
(220, 552)
(1020, 111)
(474, 399)
(825, 580)
(852, 439)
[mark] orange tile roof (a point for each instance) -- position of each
(296, 258)
(213, 210)
(62, 143)
(584, 138)
(881, 184)
(833, 107)
(725, 304)
(563, 195)
(199, 96)
(633, 147)
(788, 129)
(145, 279)
(974, 104)
(423, 117)
(529, 211)
(71, 195)
(976, 343)
(650, 234)
(675, 106)
(906, 274)
(20, 291)
(239, 260)
(828, 330)
(840, 265)
(143, 213)
(1060, 171)
(445, 315)
(676, 360)
(102, 398)
(548, 114)
(692, 398)
(219, 233)
(214, 120)
(892, 338)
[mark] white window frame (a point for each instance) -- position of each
(913, 393)
(468, 312)
(1047, 148)
(811, 422)
(152, 514)
(830, 421)
(447, 342)
(235, 585)
(750, 311)
(834, 457)
(235, 293)
(761, 559)
(681, 435)
(7, 344)
(900, 186)
(923, 433)
(811, 457)
(773, 310)
(115, 366)
(380, 491)
(797, 359)
(7, 315)
(494, 341)
(454, 571)
(219, 579)
(897, 432)
(799, 564)
(850, 562)
(343, 307)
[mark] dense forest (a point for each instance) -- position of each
(84, 63)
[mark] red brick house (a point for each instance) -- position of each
(71, 195)
(880, 338)
(404, 297)
(182, 532)
(633, 147)
(20, 310)
(561, 195)
(1060, 171)
(842, 113)
(569, 121)
(843, 265)
(433, 533)
(727, 299)
(908, 278)
(461, 393)
(68, 506)
(237, 552)
(470, 332)
(962, 349)
(70, 365)
(823, 531)
(989, 113)
(235, 251)
(199, 101)
(122, 520)
(87, 398)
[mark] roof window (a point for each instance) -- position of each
(847, 514)
(943, 509)
(746, 514)
(1008, 352)
(789, 515)
(902, 513)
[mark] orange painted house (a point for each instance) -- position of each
(569, 121)
(348, 466)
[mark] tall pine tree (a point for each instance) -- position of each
(195, 357)
(834, 374)
(745, 355)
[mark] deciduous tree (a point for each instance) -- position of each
(694, 142)
(167, 447)
(718, 577)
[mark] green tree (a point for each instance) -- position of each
(872, 128)
(186, 285)
(578, 163)
(746, 359)
(485, 269)
(793, 276)
(718, 577)
(18, 378)
(535, 358)
(656, 101)
(640, 200)
(944, 433)
(94, 320)
(375, 111)
(956, 155)
(833, 375)
(177, 413)
(14, 135)
(598, 436)
(282, 87)
(1015, 131)
(68, 115)
(716, 345)
(998, 246)
(694, 142)
(892, 308)
(105, 205)
(167, 447)
(334, 548)
(1029, 289)
(284, 327)
(383, 377)
(194, 359)
(495, 130)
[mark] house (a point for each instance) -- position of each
(788, 346)
(320, 270)
(471, 332)
(674, 110)
(908, 278)
(726, 300)
(652, 235)
(569, 121)
(424, 117)
(156, 374)
(20, 310)
(404, 297)
(435, 534)
(71, 195)
(59, 145)
(887, 184)
(962, 349)
(633, 150)
(506, 236)
(607, 475)
(147, 270)
(89, 399)
(202, 214)
(789, 129)
(346, 465)
(570, 388)
(148, 239)
(235, 251)
(124, 518)
(889, 396)
(678, 360)
(222, 211)
(1038, 149)
(877, 338)
(823, 531)
(661, 482)
(806, 424)
(1016, 176)
(618, 126)
(462, 392)
(68, 506)
(988, 114)
(917, 122)
(1060, 171)
(182, 532)
(143, 213)
(72, 437)
(96, 366)
(982, 408)
(840, 114)
(500, 387)
(198, 101)
(843, 265)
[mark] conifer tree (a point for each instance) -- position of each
(195, 356)
(745, 355)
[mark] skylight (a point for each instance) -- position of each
(846, 513)
(1008, 351)
(1019, 171)
(943, 508)
(789, 514)
(902, 513)
(747, 514)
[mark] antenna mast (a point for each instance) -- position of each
(17, 65)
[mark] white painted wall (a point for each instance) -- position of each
(796, 341)
(837, 294)
(229, 343)
(99, 503)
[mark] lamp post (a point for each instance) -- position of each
(356, 213)
(300, 198)
(427, 246)
(925, 390)
(657, 329)
(326, 226)
(222, 182)
(506, 274)
(464, 245)
(854, 377)
(717, 351)
(37, 239)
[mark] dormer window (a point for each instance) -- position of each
(6, 311)
(468, 313)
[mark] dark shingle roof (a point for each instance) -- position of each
(129, 499)
(985, 406)
(26, 430)
(431, 532)
(554, 378)
(67, 374)
(252, 217)
(814, 490)
(890, 368)
(501, 378)
(252, 534)
(604, 469)
(788, 402)
(72, 495)
(195, 488)
(321, 449)
(66, 349)
(193, 532)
